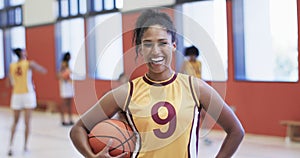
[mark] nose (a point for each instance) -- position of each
(155, 49)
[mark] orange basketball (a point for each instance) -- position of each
(121, 134)
(66, 74)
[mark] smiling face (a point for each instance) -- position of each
(157, 48)
(23, 55)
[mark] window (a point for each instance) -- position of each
(266, 40)
(15, 2)
(18, 39)
(2, 70)
(72, 40)
(105, 46)
(71, 35)
(2, 4)
(71, 8)
(12, 32)
(107, 5)
(205, 26)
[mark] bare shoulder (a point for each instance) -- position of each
(200, 86)
(206, 94)
(120, 94)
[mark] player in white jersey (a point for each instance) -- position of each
(23, 93)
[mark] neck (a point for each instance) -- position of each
(21, 59)
(160, 76)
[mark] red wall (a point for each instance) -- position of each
(259, 105)
(41, 48)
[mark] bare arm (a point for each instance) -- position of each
(9, 80)
(35, 66)
(221, 112)
(105, 108)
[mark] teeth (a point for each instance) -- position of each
(158, 59)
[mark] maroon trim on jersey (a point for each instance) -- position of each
(145, 78)
(130, 95)
(199, 107)
(129, 116)
(193, 94)
(197, 131)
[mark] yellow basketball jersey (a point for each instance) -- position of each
(21, 77)
(166, 116)
(193, 68)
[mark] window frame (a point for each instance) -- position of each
(239, 47)
(205, 51)
(92, 13)
(10, 16)
(93, 64)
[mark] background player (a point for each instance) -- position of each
(66, 89)
(23, 93)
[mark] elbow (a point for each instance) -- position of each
(77, 130)
(72, 132)
(242, 133)
(239, 132)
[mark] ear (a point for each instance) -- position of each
(174, 46)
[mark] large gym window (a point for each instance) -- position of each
(12, 32)
(18, 40)
(71, 8)
(72, 39)
(205, 26)
(70, 32)
(105, 46)
(107, 5)
(15, 2)
(2, 65)
(266, 40)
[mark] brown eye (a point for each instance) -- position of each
(163, 43)
(147, 45)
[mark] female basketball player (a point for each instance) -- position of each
(162, 106)
(23, 94)
(66, 89)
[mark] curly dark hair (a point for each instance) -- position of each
(66, 57)
(149, 18)
(18, 52)
(192, 50)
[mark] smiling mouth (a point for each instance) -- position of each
(157, 60)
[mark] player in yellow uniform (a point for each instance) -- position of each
(23, 93)
(162, 106)
(172, 116)
(192, 66)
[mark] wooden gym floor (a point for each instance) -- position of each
(49, 139)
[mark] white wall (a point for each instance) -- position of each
(38, 12)
(129, 5)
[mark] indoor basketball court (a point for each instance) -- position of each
(49, 139)
(248, 52)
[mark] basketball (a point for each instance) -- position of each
(121, 134)
(66, 74)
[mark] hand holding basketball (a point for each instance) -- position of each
(65, 74)
(112, 137)
(106, 152)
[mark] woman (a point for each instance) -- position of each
(66, 89)
(192, 66)
(23, 93)
(162, 106)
